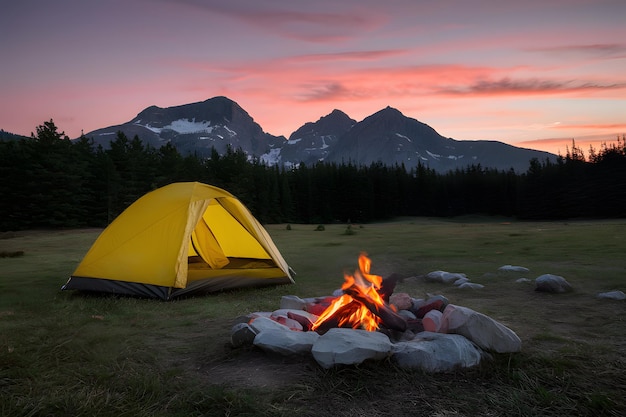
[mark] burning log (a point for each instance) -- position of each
(388, 285)
(388, 318)
(362, 305)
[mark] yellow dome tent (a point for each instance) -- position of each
(181, 239)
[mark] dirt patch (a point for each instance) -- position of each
(252, 368)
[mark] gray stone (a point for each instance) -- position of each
(471, 286)
(401, 300)
(434, 302)
(461, 281)
(436, 352)
(289, 322)
(407, 314)
(285, 312)
(292, 302)
(523, 280)
(262, 324)
(285, 343)
(613, 295)
(484, 331)
(513, 268)
(432, 321)
(444, 277)
(242, 335)
(552, 283)
(340, 346)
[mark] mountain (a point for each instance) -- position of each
(313, 141)
(197, 127)
(8, 136)
(386, 136)
(392, 138)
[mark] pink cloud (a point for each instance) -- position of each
(560, 145)
(508, 86)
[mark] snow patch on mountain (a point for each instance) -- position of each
(183, 126)
(230, 131)
(403, 137)
(271, 158)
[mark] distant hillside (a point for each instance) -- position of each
(10, 136)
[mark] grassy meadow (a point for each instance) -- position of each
(69, 354)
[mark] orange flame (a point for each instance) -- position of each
(348, 311)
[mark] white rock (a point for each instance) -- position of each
(340, 346)
(291, 323)
(444, 277)
(262, 324)
(285, 343)
(484, 331)
(285, 312)
(242, 335)
(613, 295)
(436, 352)
(552, 283)
(522, 280)
(407, 314)
(432, 321)
(471, 286)
(461, 281)
(292, 302)
(513, 268)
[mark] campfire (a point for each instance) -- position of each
(364, 304)
(368, 321)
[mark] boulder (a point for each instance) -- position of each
(461, 281)
(292, 302)
(285, 343)
(289, 322)
(242, 335)
(262, 324)
(613, 295)
(471, 286)
(289, 312)
(513, 268)
(407, 314)
(552, 283)
(432, 321)
(401, 300)
(421, 307)
(436, 352)
(443, 277)
(340, 346)
(484, 331)
(318, 305)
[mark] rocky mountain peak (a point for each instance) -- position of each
(387, 136)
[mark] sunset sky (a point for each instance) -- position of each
(535, 74)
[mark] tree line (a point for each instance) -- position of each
(49, 181)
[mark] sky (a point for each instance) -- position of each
(535, 74)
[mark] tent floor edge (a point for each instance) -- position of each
(100, 285)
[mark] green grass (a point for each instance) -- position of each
(69, 354)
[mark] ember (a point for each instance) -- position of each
(361, 306)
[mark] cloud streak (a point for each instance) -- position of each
(293, 21)
(508, 86)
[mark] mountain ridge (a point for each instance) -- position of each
(386, 136)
